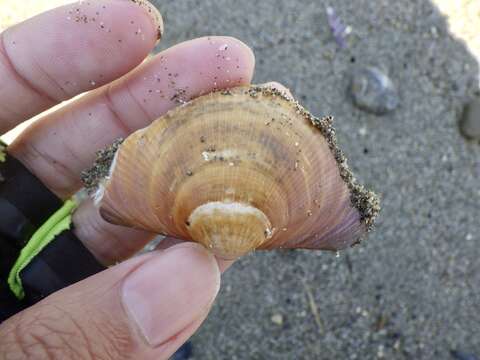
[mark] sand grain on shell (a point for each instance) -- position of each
(365, 201)
(100, 169)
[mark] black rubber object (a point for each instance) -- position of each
(9, 304)
(61, 263)
(14, 226)
(24, 191)
(25, 205)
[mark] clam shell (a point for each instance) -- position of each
(239, 170)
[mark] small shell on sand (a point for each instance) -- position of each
(373, 91)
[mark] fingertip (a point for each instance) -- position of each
(168, 242)
(181, 73)
(224, 265)
(245, 52)
(220, 62)
(234, 55)
(82, 46)
(200, 258)
(170, 291)
(154, 14)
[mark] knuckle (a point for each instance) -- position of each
(52, 333)
(49, 168)
(24, 337)
(117, 343)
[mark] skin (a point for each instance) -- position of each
(136, 309)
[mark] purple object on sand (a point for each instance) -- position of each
(339, 30)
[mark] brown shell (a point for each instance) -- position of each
(239, 170)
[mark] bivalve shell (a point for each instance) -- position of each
(238, 170)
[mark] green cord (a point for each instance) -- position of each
(58, 222)
(3, 151)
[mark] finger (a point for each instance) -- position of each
(168, 242)
(69, 50)
(144, 308)
(58, 147)
(109, 243)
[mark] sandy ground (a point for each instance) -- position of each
(464, 21)
(412, 291)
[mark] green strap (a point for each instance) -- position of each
(58, 222)
(3, 151)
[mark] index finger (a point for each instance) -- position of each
(71, 49)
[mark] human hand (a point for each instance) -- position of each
(147, 306)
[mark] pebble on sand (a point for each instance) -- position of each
(277, 319)
(470, 121)
(373, 91)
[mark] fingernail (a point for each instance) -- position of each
(154, 14)
(170, 291)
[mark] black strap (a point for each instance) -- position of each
(25, 205)
(61, 263)
(9, 304)
(14, 226)
(24, 191)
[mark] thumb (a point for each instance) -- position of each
(144, 308)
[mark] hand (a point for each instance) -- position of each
(147, 306)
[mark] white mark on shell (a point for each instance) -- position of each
(269, 233)
(226, 208)
(226, 154)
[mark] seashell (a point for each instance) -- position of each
(238, 170)
(373, 91)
